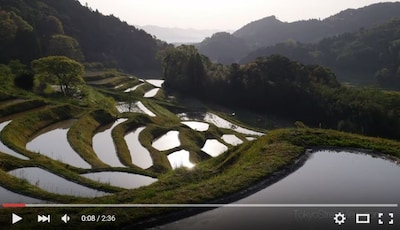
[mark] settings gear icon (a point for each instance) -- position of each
(339, 218)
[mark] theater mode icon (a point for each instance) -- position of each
(43, 218)
(364, 218)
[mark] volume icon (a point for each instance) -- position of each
(65, 218)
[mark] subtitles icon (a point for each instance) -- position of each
(65, 218)
(339, 218)
(43, 218)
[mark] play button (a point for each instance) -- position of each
(15, 218)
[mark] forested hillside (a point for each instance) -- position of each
(270, 30)
(373, 54)
(287, 88)
(34, 28)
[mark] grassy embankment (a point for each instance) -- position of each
(156, 127)
(30, 114)
(80, 135)
(22, 106)
(233, 171)
(23, 128)
(16, 135)
(110, 79)
(240, 168)
(119, 95)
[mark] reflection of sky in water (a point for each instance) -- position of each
(137, 107)
(232, 139)
(195, 125)
(53, 143)
(214, 148)
(121, 179)
(145, 109)
(5, 149)
(53, 183)
(139, 154)
(103, 145)
(332, 177)
(7, 196)
(133, 88)
(168, 141)
(327, 177)
(155, 82)
(151, 93)
(179, 159)
(217, 121)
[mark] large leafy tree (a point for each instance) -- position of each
(64, 45)
(61, 70)
(184, 68)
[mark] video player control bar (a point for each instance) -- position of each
(232, 205)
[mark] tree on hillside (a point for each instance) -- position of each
(10, 24)
(52, 25)
(65, 46)
(17, 38)
(6, 76)
(60, 70)
(184, 69)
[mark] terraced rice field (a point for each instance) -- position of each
(157, 151)
(85, 148)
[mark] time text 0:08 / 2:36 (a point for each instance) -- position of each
(98, 218)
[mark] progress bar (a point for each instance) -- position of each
(22, 205)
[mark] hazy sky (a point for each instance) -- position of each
(218, 14)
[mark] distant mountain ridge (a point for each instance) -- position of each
(368, 55)
(270, 31)
(178, 35)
